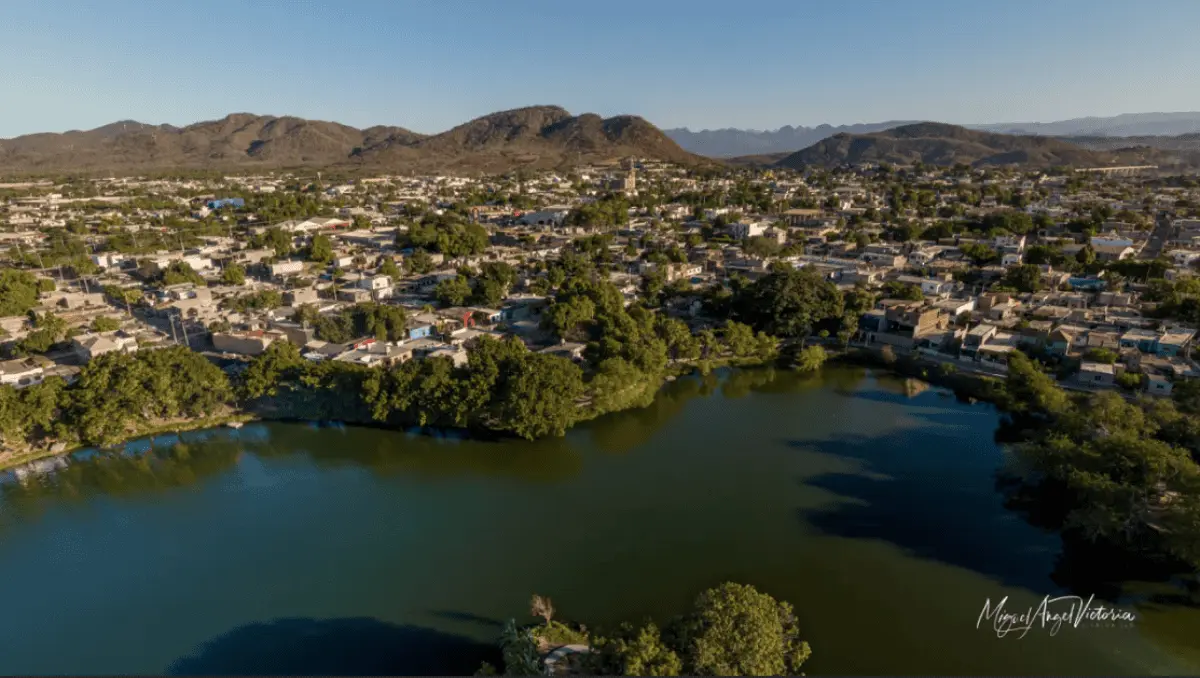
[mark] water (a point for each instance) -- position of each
(866, 501)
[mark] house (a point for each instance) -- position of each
(88, 346)
(1158, 385)
(741, 231)
(457, 354)
(1145, 341)
(303, 295)
(1113, 252)
(1174, 341)
(567, 349)
(931, 287)
(977, 337)
(1059, 342)
(246, 343)
(547, 217)
(418, 329)
(225, 202)
(280, 269)
(1097, 374)
(20, 373)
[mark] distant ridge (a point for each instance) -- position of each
(539, 137)
(729, 142)
(934, 143)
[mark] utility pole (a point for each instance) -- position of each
(174, 337)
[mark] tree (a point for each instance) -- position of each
(388, 267)
(565, 317)
(181, 272)
(453, 291)
(234, 274)
(520, 651)
(541, 396)
(1101, 355)
(18, 292)
(103, 323)
(1024, 278)
(894, 289)
(541, 607)
(321, 249)
(735, 630)
(633, 652)
(788, 302)
(811, 358)
(265, 372)
(419, 262)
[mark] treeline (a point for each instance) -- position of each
(117, 395)
(730, 630)
(1122, 474)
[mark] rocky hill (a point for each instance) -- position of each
(534, 137)
(940, 144)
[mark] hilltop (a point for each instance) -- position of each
(941, 144)
(537, 137)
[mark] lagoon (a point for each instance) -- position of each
(867, 501)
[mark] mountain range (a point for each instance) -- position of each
(535, 137)
(941, 144)
(729, 142)
(549, 137)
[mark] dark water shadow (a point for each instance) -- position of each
(931, 493)
(342, 647)
(468, 617)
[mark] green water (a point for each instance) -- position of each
(287, 548)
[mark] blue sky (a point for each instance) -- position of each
(429, 65)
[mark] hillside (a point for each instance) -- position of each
(941, 144)
(735, 143)
(535, 137)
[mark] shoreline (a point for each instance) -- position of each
(848, 357)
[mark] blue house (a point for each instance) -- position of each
(226, 202)
(417, 329)
(1087, 283)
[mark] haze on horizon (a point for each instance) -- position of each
(71, 64)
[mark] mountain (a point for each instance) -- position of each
(1182, 142)
(534, 137)
(939, 144)
(729, 143)
(1125, 125)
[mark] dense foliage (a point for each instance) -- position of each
(1121, 473)
(18, 291)
(116, 394)
(730, 630)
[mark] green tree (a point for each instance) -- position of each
(234, 274)
(541, 397)
(1024, 278)
(321, 249)
(811, 358)
(735, 630)
(633, 652)
(18, 292)
(419, 262)
(789, 302)
(103, 323)
(453, 291)
(388, 267)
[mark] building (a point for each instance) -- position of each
(742, 231)
(88, 346)
(245, 343)
(20, 373)
(1097, 374)
(285, 268)
(225, 202)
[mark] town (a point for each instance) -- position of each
(1091, 269)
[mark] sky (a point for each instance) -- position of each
(434, 64)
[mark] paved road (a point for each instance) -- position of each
(1163, 231)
